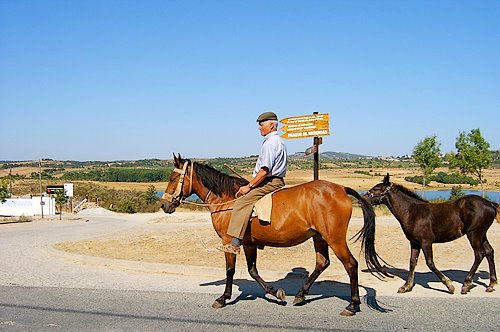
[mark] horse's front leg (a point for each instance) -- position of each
(230, 270)
(427, 249)
(251, 257)
(410, 280)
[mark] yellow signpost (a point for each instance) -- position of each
(313, 125)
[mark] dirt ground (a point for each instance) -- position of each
(193, 241)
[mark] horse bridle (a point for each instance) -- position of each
(379, 197)
(177, 196)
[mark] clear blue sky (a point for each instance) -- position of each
(109, 80)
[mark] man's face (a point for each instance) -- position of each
(266, 127)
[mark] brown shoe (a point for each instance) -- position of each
(228, 247)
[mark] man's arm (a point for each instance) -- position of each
(261, 175)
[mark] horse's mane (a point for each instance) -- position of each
(217, 181)
(408, 192)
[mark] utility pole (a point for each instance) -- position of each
(10, 182)
(41, 193)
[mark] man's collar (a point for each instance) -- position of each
(272, 133)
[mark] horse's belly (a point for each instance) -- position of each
(272, 238)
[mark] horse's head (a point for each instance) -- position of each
(179, 186)
(377, 194)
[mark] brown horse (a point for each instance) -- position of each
(317, 209)
(425, 223)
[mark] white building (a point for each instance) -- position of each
(33, 206)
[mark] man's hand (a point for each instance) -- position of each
(243, 191)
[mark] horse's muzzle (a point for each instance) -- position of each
(373, 199)
(169, 207)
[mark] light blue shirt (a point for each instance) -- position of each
(272, 155)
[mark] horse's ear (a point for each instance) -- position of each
(176, 160)
(387, 180)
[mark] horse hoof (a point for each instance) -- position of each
(218, 305)
(347, 313)
(404, 289)
(280, 294)
(489, 289)
(298, 300)
(464, 290)
(451, 289)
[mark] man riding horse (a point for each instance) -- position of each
(270, 169)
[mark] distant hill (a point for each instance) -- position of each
(343, 155)
(334, 155)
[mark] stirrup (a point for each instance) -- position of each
(228, 247)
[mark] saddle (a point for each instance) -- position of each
(262, 209)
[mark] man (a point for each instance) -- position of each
(270, 169)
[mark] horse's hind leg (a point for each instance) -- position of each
(491, 262)
(322, 262)
(251, 257)
(351, 266)
(427, 249)
(481, 248)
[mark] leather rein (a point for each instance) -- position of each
(177, 195)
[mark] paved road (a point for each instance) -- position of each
(72, 309)
(40, 290)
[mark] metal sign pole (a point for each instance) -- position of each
(316, 155)
(316, 159)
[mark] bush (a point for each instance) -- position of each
(443, 177)
(456, 192)
(126, 206)
(415, 179)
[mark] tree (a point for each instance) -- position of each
(61, 199)
(4, 191)
(427, 154)
(473, 154)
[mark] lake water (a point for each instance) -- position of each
(429, 195)
(445, 194)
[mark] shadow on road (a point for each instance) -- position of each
(424, 278)
(291, 284)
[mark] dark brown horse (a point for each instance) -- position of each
(317, 209)
(425, 223)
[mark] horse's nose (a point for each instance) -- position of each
(168, 207)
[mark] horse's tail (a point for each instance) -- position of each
(497, 206)
(367, 234)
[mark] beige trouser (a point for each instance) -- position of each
(242, 209)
